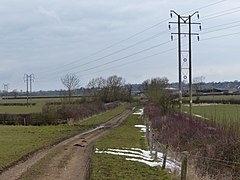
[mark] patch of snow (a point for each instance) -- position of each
(115, 152)
(152, 164)
(199, 116)
(139, 112)
(143, 156)
(142, 128)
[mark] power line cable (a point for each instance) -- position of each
(159, 53)
(213, 16)
(131, 62)
(162, 52)
(134, 35)
(221, 36)
(203, 7)
(220, 25)
(133, 54)
(221, 29)
(144, 39)
(139, 42)
(114, 44)
(130, 55)
(118, 51)
(142, 32)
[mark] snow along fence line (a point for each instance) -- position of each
(160, 153)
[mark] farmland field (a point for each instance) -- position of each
(24, 109)
(17, 141)
(226, 114)
(218, 97)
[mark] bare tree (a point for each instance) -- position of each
(71, 82)
(114, 85)
(96, 85)
(156, 90)
(108, 90)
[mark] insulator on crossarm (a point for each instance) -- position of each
(198, 16)
(169, 26)
(171, 15)
(198, 38)
(200, 27)
(172, 37)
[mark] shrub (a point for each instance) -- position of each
(200, 137)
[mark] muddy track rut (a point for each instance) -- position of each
(69, 159)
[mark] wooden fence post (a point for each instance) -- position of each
(151, 139)
(184, 165)
(156, 150)
(165, 157)
(147, 130)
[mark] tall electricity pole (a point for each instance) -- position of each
(31, 79)
(5, 89)
(28, 79)
(184, 63)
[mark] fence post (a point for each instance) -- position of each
(156, 149)
(165, 157)
(184, 165)
(147, 130)
(151, 140)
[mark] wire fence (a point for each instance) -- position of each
(181, 160)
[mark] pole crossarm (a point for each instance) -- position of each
(184, 23)
(196, 34)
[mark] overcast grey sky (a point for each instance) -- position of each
(53, 37)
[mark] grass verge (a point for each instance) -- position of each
(17, 141)
(106, 166)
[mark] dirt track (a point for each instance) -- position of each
(70, 159)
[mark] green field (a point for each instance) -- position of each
(17, 141)
(218, 97)
(106, 166)
(24, 109)
(226, 114)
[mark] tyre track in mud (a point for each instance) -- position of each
(69, 159)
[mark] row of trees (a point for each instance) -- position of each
(114, 88)
(108, 90)
(111, 89)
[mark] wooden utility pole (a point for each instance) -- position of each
(184, 20)
(29, 79)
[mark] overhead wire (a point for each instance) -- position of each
(115, 44)
(116, 52)
(220, 25)
(119, 42)
(162, 52)
(134, 54)
(130, 37)
(219, 14)
(147, 49)
(153, 55)
(130, 55)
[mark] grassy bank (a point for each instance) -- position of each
(17, 141)
(106, 166)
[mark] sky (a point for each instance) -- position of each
(101, 38)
